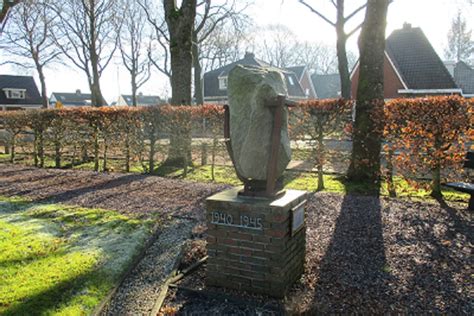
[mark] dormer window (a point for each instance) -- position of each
(11, 93)
(290, 79)
(222, 83)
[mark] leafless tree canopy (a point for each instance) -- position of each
(27, 40)
(279, 46)
(134, 41)
(340, 22)
(460, 42)
(87, 34)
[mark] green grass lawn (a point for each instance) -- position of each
(62, 260)
(308, 182)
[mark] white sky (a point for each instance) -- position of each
(433, 16)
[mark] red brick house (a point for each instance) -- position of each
(411, 67)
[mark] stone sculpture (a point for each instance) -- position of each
(251, 90)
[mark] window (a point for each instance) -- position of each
(15, 93)
(222, 83)
(290, 79)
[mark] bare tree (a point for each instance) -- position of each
(226, 45)
(342, 36)
(368, 124)
(88, 37)
(133, 47)
(28, 39)
(210, 17)
(276, 44)
(460, 43)
(158, 47)
(318, 57)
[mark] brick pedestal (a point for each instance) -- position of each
(254, 244)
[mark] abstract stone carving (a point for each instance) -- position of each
(251, 120)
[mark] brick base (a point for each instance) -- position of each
(251, 243)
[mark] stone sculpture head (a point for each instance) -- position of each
(250, 89)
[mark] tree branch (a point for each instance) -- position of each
(317, 13)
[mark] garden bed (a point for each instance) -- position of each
(365, 255)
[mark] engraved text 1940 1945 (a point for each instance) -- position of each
(243, 221)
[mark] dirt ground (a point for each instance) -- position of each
(364, 254)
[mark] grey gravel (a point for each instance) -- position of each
(139, 291)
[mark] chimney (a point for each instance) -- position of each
(407, 26)
(249, 55)
(140, 94)
(78, 91)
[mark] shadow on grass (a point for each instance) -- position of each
(353, 272)
(52, 298)
(170, 171)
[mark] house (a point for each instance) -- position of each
(463, 75)
(411, 67)
(215, 81)
(71, 99)
(142, 100)
(304, 78)
(19, 92)
(327, 86)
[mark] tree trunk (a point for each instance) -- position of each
(436, 183)
(198, 93)
(343, 67)
(96, 149)
(213, 158)
(368, 125)
(134, 89)
(57, 153)
(151, 157)
(44, 93)
(97, 98)
(180, 22)
(436, 172)
(127, 153)
(320, 160)
(342, 52)
(96, 94)
(104, 163)
(41, 148)
(35, 149)
(84, 154)
(392, 192)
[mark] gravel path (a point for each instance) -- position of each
(138, 293)
(365, 255)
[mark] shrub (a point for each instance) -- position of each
(427, 135)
